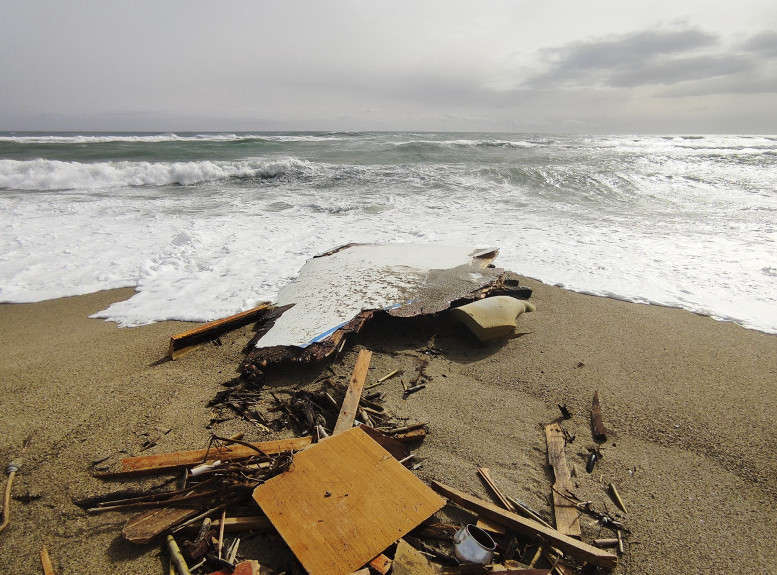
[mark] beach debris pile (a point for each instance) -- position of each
(341, 496)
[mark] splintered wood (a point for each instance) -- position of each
(567, 515)
(343, 501)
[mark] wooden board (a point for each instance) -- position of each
(581, 551)
(354, 393)
(178, 460)
(183, 342)
(343, 501)
(567, 515)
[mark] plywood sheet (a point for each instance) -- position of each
(343, 501)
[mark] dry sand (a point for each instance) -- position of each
(689, 402)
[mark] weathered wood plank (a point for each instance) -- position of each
(146, 526)
(581, 551)
(354, 393)
(171, 461)
(183, 342)
(566, 514)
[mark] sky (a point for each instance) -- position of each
(682, 66)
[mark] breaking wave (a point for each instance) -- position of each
(49, 175)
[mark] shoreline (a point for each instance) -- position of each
(689, 402)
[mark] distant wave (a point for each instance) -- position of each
(161, 138)
(457, 144)
(57, 175)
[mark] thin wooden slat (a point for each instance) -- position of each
(45, 560)
(183, 342)
(354, 393)
(178, 460)
(343, 501)
(567, 515)
(532, 529)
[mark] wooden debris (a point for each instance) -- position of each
(181, 459)
(176, 557)
(354, 393)
(600, 434)
(142, 528)
(485, 473)
(616, 497)
(621, 545)
(45, 560)
(566, 513)
(607, 542)
(381, 564)
(338, 533)
(569, 545)
(185, 342)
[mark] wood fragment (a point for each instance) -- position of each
(48, 568)
(606, 542)
(571, 546)
(185, 342)
(485, 473)
(354, 393)
(599, 433)
(616, 497)
(143, 528)
(380, 564)
(181, 459)
(176, 557)
(621, 545)
(566, 513)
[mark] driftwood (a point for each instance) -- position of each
(185, 342)
(181, 459)
(600, 434)
(566, 514)
(354, 393)
(569, 545)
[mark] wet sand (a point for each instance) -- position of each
(689, 403)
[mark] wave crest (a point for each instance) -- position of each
(49, 175)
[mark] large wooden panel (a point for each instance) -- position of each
(343, 501)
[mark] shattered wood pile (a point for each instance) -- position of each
(341, 497)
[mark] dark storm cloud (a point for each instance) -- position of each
(659, 58)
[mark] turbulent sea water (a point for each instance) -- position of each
(205, 225)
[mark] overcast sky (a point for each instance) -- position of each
(677, 66)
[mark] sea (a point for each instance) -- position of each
(204, 225)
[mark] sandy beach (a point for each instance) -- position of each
(689, 404)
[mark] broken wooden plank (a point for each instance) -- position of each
(178, 460)
(566, 514)
(597, 427)
(339, 486)
(354, 393)
(581, 551)
(184, 342)
(142, 528)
